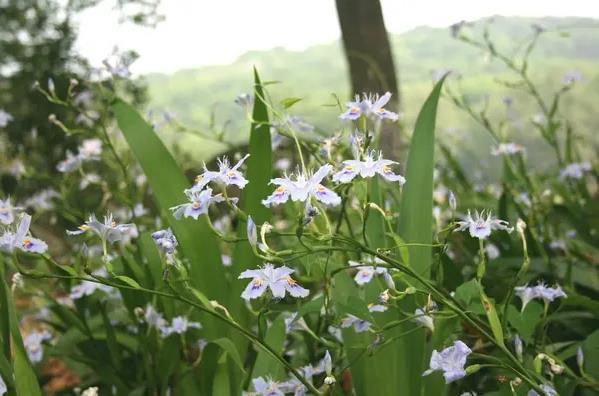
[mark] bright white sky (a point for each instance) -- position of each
(206, 32)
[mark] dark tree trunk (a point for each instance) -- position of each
(370, 59)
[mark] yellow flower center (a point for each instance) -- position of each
(26, 243)
(84, 227)
(199, 178)
(280, 190)
(195, 205)
(349, 168)
(291, 281)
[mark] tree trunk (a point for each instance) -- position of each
(370, 59)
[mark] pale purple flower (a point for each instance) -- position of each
(509, 148)
(277, 280)
(33, 345)
(108, 231)
(7, 211)
(480, 226)
(368, 168)
(20, 239)
(371, 106)
(547, 391)
(451, 361)
(245, 100)
(575, 170)
(179, 325)
(295, 322)
(541, 291)
(165, 241)
(302, 188)
(3, 388)
(42, 200)
(518, 347)
(87, 288)
(199, 202)
(83, 98)
(526, 294)
(366, 272)
(372, 307)
(571, 76)
(226, 174)
(492, 251)
(70, 163)
(267, 387)
(359, 325)
(549, 294)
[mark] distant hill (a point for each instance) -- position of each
(315, 73)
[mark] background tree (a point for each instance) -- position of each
(369, 58)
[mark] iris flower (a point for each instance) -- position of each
(372, 165)
(302, 188)
(371, 106)
(451, 361)
(20, 239)
(480, 226)
(7, 211)
(226, 174)
(277, 280)
(199, 202)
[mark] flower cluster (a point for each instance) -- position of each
(371, 106)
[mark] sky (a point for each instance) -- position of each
(209, 32)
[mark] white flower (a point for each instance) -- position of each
(42, 200)
(7, 211)
(93, 391)
(226, 174)
(547, 391)
(70, 163)
(200, 201)
(252, 232)
(480, 226)
(5, 118)
(368, 169)
(90, 149)
(278, 280)
(509, 148)
(20, 239)
(303, 188)
(33, 345)
(492, 251)
(108, 231)
(358, 324)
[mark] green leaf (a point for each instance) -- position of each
(266, 365)
(128, 281)
(196, 241)
(288, 102)
(525, 322)
(492, 317)
(415, 226)
(258, 173)
(25, 379)
(231, 351)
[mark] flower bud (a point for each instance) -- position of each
(410, 290)
(520, 227)
(580, 358)
(472, 369)
(328, 363)
(51, 87)
(518, 346)
(389, 280)
(252, 233)
(452, 201)
(329, 380)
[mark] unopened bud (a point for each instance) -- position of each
(472, 369)
(389, 280)
(252, 233)
(52, 118)
(518, 346)
(51, 87)
(328, 364)
(452, 201)
(520, 227)
(580, 358)
(410, 290)
(329, 380)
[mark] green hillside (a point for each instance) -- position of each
(313, 74)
